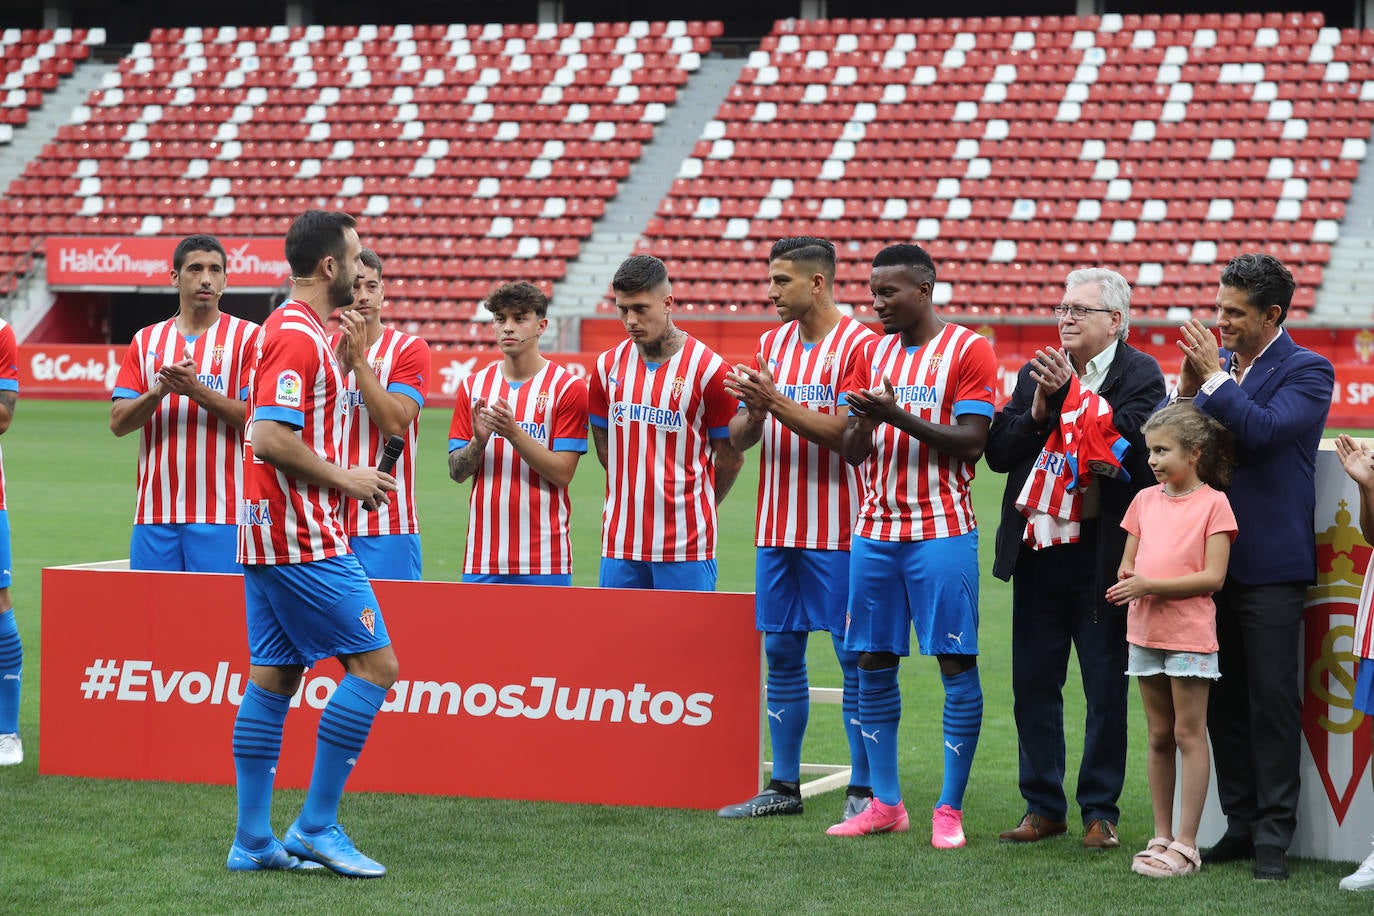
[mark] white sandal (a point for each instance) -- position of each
(1158, 865)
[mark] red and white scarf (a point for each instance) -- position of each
(1083, 444)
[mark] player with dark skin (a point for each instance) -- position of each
(903, 304)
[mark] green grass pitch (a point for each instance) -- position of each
(69, 845)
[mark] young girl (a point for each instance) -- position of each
(1178, 542)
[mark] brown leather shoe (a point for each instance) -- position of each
(1033, 827)
(1100, 835)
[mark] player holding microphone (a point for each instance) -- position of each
(518, 429)
(305, 594)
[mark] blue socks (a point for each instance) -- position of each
(344, 726)
(858, 755)
(11, 673)
(880, 710)
(789, 701)
(257, 745)
(963, 720)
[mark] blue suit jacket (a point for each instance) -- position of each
(1277, 415)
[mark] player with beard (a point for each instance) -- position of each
(306, 595)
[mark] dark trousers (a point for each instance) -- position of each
(1254, 713)
(1053, 608)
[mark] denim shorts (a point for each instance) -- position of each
(1143, 661)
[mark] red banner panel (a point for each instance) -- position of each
(147, 261)
(551, 694)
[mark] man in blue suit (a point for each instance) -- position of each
(1273, 395)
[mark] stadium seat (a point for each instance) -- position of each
(1173, 128)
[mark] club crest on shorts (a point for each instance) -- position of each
(369, 620)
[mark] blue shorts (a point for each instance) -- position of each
(1363, 698)
(185, 548)
(674, 575)
(931, 584)
(6, 567)
(516, 579)
(299, 613)
(388, 556)
(800, 590)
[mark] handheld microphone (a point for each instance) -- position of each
(391, 452)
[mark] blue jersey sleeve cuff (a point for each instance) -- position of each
(720, 432)
(455, 444)
(570, 445)
(598, 422)
(243, 393)
(9, 384)
(977, 408)
(123, 394)
(292, 418)
(398, 388)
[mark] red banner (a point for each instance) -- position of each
(133, 261)
(575, 695)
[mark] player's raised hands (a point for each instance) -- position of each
(754, 387)
(499, 418)
(876, 404)
(481, 427)
(179, 377)
(351, 350)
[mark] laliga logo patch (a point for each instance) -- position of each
(289, 389)
(369, 620)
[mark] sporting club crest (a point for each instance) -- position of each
(1338, 735)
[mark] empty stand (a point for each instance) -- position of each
(1016, 149)
(470, 154)
(32, 62)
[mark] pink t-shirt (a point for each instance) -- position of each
(1173, 532)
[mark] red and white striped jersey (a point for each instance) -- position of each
(295, 381)
(912, 492)
(517, 520)
(401, 362)
(660, 476)
(807, 494)
(1083, 444)
(1364, 617)
(9, 380)
(190, 462)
